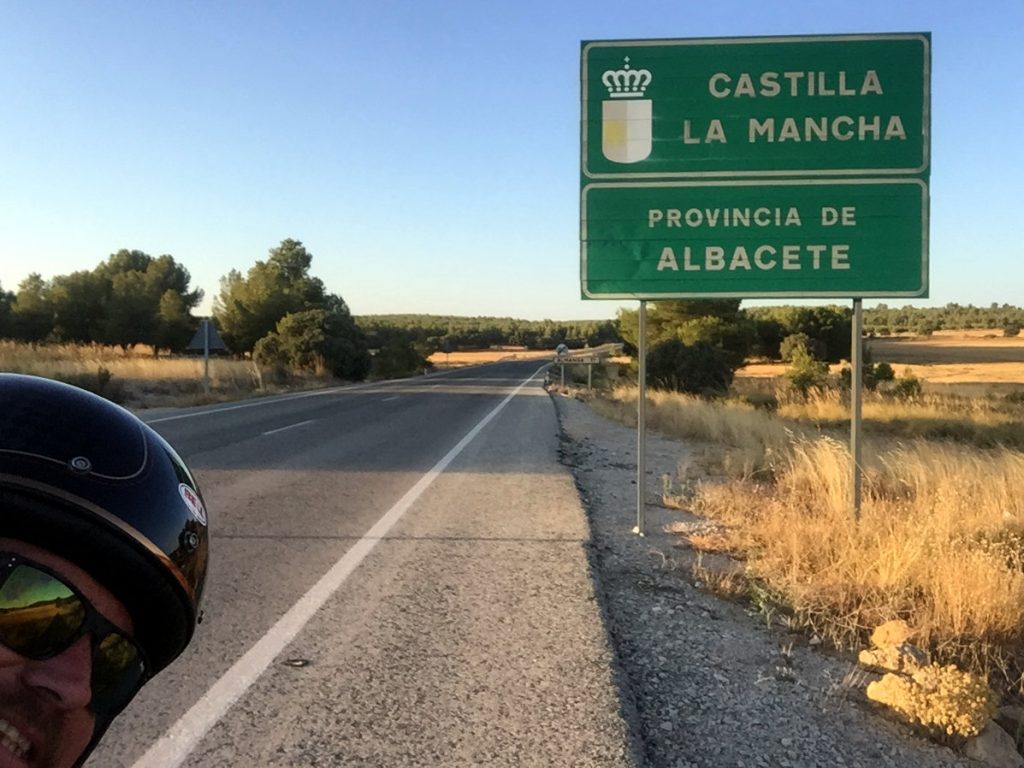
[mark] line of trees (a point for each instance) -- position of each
(131, 298)
(432, 333)
(695, 346)
(284, 317)
(883, 320)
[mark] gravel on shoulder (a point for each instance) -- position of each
(713, 685)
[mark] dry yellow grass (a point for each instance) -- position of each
(940, 542)
(147, 380)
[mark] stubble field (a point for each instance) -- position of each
(979, 358)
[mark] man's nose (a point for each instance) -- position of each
(66, 677)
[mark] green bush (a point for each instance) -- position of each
(698, 369)
(1011, 329)
(316, 341)
(806, 372)
(906, 388)
(398, 358)
(883, 372)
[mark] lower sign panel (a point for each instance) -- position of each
(785, 239)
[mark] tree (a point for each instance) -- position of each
(6, 300)
(398, 357)
(138, 304)
(697, 369)
(717, 323)
(806, 371)
(317, 341)
(78, 306)
(130, 315)
(796, 341)
(768, 336)
(175, 324)
(665, 317)
(829, 325)
(250, 307)
(32, 311)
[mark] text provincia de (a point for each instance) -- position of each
(764, 257)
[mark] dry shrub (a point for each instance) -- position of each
(753, 435)
(940, 541)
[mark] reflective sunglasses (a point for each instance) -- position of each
(41, 616)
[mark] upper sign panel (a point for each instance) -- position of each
(854, 105)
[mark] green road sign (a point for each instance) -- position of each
(755, 167)
(852, 105)
(755, 238)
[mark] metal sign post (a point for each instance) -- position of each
(641, 422)
(206, 339)
(856, 390)
(206, 355)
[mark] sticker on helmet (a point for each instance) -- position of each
(193, 502)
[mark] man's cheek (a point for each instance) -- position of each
(66, 740)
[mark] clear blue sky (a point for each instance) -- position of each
(425, 152)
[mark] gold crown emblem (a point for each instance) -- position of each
(626, 83)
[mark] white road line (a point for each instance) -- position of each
(174, 747)
(300, 396)
(389, 399)
(290, 426)
(254, 403)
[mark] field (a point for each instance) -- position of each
(139, 379)
(442, 360)
(980, 359)
(940, 542)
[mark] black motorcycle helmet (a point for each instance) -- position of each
(89, 481)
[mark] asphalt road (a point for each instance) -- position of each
(396, 580)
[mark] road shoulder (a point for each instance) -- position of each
(713, 684)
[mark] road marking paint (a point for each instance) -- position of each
(294, 396)
(254, 403)
(389, 399)
(174, 747)
(290, 426)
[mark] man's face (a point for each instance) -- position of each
(45, 721)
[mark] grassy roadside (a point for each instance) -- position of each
(137, 378)
(940, 542)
